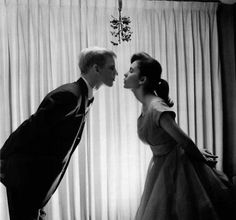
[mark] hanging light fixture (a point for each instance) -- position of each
(121, 29)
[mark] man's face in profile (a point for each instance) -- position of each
(108, 72)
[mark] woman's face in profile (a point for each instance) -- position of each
(131, 80)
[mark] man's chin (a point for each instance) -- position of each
(110, 84)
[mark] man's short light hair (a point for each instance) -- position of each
(93, 55)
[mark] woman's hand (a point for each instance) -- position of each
(211, 159)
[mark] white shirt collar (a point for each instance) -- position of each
(90, 89)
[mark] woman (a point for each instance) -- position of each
(180, 182)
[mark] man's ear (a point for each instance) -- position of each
(142, 80)
(96, 68)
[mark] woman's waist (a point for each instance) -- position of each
(163, 148)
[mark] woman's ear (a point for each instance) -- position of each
(142, 80)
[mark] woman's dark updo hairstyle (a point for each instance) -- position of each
(151, 68)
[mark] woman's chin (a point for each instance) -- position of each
(126, 87)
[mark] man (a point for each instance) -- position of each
(36, 155)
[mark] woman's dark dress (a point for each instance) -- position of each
(178, 186)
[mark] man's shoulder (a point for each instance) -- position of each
(69, 88)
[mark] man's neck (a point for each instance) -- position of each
(87, 80)
(90, 88)
(92, 80)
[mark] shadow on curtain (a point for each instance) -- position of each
(227, 44)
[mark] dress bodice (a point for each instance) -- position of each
(150, 131)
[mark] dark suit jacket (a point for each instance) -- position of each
(37, 153)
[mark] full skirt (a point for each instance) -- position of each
(179, 187)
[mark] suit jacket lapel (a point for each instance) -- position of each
(83, 90)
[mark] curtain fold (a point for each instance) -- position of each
(40, 42)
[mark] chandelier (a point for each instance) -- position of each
(121, 29)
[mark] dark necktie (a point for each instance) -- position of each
(90, 101)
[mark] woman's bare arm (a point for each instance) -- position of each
(170, 126)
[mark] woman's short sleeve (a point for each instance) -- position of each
(159, 110)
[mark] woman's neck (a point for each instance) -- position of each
(144, 98)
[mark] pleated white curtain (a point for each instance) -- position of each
(39, 45)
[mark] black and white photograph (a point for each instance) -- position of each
(118, 110)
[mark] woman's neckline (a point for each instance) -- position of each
(153, 100)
